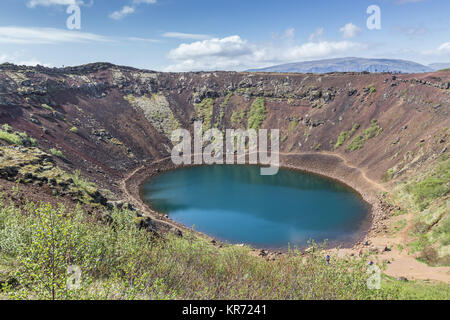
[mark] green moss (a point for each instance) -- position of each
(47, 107)
(257, 114)
(292, 125)
(16, 138)
(57, 153)
(237, 117)
(344, 135)
(223, 107)
(204, 110)
(371, 132)
(74, 130)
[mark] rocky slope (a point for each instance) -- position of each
(108, 121)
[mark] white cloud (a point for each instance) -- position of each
(227, 47)
(24, 35)
(144, 1)
(122, 13)
(143, 39)
(350, 30)
(316, 34)
(129, 9)
(47, 3)
(444, 48)
(181, 35)
(235, 53)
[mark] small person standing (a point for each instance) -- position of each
(328, 259)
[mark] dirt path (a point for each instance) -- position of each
(401, 264)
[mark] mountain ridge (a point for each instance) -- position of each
(348, 64)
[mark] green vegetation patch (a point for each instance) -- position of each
(238, 117)
(222, 109)
(434, 186)
(47, 107)
(74, 130)
(344, 135)
(204, 110)
(257, 114)
(157, 111)
(32, 165)
(120, 261)
(57, 153)
(371, 132)
(16, 138)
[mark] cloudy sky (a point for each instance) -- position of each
(185, 35)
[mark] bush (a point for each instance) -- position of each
(57, 153)
(119, 261)
(73, 130)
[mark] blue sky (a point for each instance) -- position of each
(185, 35)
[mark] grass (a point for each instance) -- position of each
(292, 125)
(237, 117)
(257, 114)
(344, 135)
(57, 153)
(434, 186)
(371, 132)
(47, 107)
(417, 290)
(120, 261)
(16, 138)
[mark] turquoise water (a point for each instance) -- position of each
(235, 203)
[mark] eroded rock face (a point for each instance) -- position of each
(157, 111)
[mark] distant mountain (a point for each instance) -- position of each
(349, 65)
(439, 66)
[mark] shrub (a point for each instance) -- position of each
(74, 130)
(57, 153)
(120, 261)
